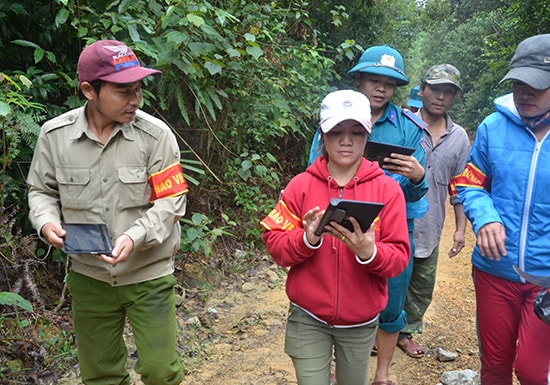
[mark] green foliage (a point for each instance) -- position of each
(53, 349)
(198, 237)
(19, 128)
(241, 86)
(466, 9)
(191, 168)
(13, 299)
(18, 116)
(254, 176)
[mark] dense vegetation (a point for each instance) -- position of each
(241, 86)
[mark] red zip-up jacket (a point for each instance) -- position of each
(329, 282)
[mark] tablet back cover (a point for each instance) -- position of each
(377, 151)
(364, 212)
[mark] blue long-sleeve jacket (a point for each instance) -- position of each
(507, 180)
(403, 128)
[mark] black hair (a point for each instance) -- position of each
(96, 85)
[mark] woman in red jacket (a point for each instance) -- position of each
(337, 282)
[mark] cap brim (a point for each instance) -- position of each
(433, 82)
(329, 124)
(380, 70)
(535, 78)
(130, 75)
(414, 103)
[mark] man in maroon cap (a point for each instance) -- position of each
(110, 163)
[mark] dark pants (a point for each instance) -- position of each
(100, 312)
(420, 292)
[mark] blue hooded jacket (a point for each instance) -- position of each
(507, 180)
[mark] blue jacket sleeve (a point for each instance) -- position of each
(414, 192)
(474, 193)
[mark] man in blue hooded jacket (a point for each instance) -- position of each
(504, 190)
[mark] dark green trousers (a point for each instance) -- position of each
(420, 292)
(99, 313)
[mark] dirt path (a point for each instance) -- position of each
(249, 328)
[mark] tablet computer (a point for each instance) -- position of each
(377, 151)
(86, 238)
(339, 211)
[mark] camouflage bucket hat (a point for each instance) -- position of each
(443, 74)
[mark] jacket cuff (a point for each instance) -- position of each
(367, 261)
(309, 245)
(137, 234)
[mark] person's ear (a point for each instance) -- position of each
(88, 91)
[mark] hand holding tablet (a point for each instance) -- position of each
(377, 151)
(339, 210)
(86, 238)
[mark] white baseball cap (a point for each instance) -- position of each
(344, 105)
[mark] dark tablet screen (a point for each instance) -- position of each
(86, 238)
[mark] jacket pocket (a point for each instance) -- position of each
(134, 186)
(75, 190)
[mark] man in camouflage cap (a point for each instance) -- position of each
(442, 74)
(447, 147)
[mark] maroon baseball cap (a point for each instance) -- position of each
(111, 61)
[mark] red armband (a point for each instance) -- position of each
(168, 183)
(470, 177)
(281, 218)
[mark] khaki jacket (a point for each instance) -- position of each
(75, 178)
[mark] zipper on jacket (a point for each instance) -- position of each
(336, 310)
(527, 205)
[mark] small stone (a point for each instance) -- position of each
(247, 287)
(194, 322)
(445, 356)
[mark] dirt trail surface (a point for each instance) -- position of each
(247, 322)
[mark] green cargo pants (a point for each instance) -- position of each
(310, 343)
(99, 314)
